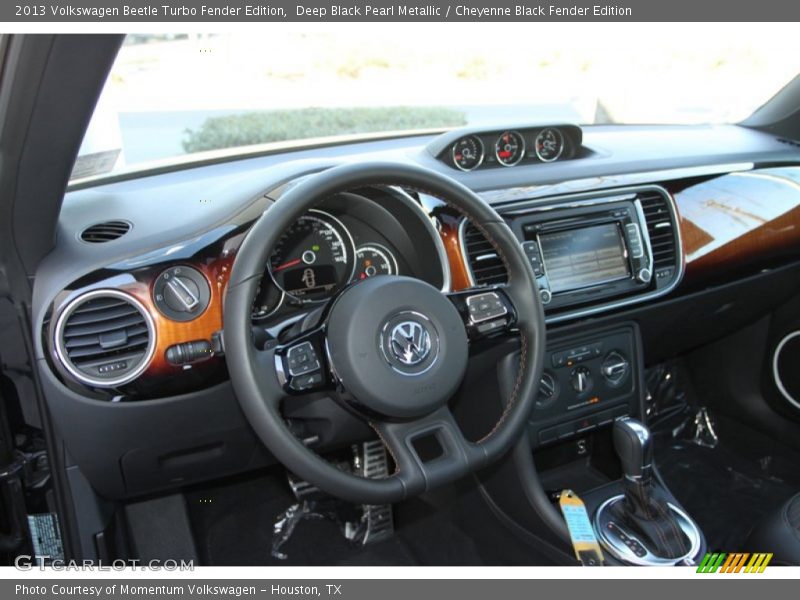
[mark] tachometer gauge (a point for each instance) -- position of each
(374, 259)
(315, 258)
(549, 144)
(468, 153)
(509, 148)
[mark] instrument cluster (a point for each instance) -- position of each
(316, 258)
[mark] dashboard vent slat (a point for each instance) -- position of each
(104, 326)
(108, 231)
(486, 266)
(104, 338)
(104, 314)
(660, 228)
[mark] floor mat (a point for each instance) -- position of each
(233, 525)
(727, 489)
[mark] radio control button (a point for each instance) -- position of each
(546, 296)
(531, 250)
(644, 275)
(634, 240)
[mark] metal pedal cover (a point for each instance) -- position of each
(377, 519)
(301, 488)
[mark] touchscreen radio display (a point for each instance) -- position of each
(585, 257)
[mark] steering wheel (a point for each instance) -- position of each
(393, 349)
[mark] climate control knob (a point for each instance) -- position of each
(548, 390)
(581, 380)
(615, 368)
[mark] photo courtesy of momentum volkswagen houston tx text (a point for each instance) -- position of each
(346, 294)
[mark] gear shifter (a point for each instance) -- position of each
(634, 447)
(641, 526)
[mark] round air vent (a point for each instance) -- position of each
(104, 338)
(106, 231)
(784, 368)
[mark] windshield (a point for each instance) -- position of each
(169, 96)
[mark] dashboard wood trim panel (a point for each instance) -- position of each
(451, 238)
(739, 223)
(169, 332)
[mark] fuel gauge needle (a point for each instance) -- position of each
(286, 265)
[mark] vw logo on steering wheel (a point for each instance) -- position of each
(410, 342)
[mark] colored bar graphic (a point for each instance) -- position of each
(736, 562)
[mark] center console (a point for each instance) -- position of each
(586, 435)
(593, 253)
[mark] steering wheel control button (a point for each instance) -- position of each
(303, 383)
(485, 307)
(490, 327)
(302, 359)
(181, 293)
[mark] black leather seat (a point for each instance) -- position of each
(779, 533)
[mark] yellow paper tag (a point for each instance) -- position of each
(584, 542)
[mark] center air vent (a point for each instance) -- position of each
(104, 338)
(484, 263)
(107, 231)
(660, 228)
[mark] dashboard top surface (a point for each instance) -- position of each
(182, 205)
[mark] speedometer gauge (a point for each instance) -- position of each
(374, 259)
(549, 144)
(468, 153)
(509, 148)
(314, 259)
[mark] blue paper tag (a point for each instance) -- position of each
(580, 529)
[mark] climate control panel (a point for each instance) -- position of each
(587, 382)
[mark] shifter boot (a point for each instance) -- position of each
(643, 515)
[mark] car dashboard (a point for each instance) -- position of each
(129, 305)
